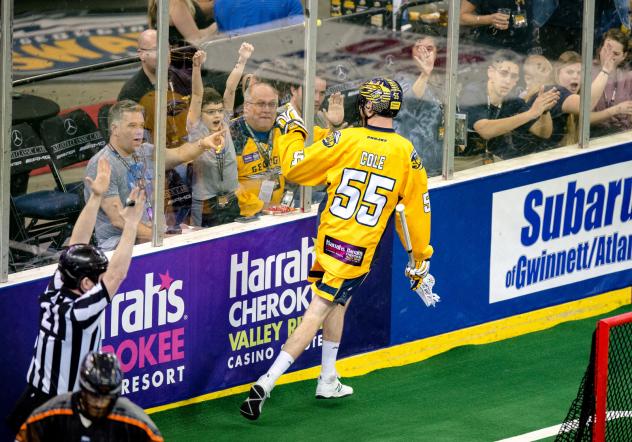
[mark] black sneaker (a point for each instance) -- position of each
(251, 407)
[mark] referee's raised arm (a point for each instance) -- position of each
(84, 225)
(119, 264)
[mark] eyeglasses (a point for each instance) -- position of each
(260, 105)
(504, 73)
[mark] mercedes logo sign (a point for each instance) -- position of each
(70, 126)
(16, 137)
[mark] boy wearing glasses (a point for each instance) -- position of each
(214, 173)
(494, 113)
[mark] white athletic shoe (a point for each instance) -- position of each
(334, 389)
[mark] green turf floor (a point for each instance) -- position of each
(473, 393)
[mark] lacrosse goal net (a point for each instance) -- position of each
(602, 410)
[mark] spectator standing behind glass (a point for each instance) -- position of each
(333, 117)
(500, 24)
(188, 23)
(568, 77)
(421, 119)
(493, 113)
(252, 15)
(214, 172)
(256, 145)
(144, 81)
(614, 108)
(141, 88)
(565, 113)
(132, 164)
(537, 72)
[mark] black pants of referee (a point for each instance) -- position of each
(30, 399)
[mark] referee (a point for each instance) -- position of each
(72, 306)
(95, 413)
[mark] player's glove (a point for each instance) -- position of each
(289, 120)
(417, 273)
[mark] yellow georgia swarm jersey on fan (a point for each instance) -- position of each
(252, 168)
(368, 171)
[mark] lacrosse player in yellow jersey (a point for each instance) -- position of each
(368, 170)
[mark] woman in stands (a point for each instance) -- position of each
(190, 21)
(568, 80)
(568, 76)
(613, 112)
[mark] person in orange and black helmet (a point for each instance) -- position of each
(96, 412)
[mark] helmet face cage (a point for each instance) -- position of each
(101, 375)
(384, 94)
(81, 261)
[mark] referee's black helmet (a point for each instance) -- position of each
(384, 94)
(81, 261)
(100, 374)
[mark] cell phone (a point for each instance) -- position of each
(287, 199)
(246, 219)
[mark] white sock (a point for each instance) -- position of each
(279, 366)
(328, 368)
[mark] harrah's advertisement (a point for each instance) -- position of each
(561, 231)
(213, 315)
(204, 317)
(268, 296)
(146, 326)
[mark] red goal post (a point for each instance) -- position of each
(603, 359)
(602, 409)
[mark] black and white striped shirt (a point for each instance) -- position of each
(70, 328)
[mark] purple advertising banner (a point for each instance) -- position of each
(208, 316)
